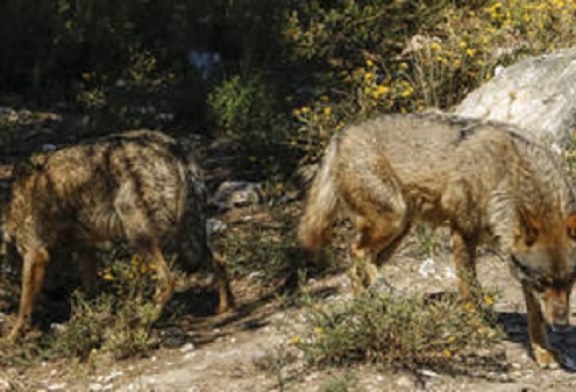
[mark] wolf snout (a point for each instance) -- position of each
(557, 328)
(560, 319)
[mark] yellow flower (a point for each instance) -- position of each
(380, 91)
(369, 76)
(470, 52)
(469, 307)
(447, 353)
(319, 331)
(407, 92)
(369, 63)
(327, 111)
(489, 300)
(135, 261)
(296, 340)
(435, 46)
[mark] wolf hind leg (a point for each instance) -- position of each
(166, 281)
(376, 243)
(226, 299)
(34, 267)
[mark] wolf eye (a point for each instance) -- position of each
(530, 236)
(571, 231)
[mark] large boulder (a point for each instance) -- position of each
(538, 94)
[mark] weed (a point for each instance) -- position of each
(262, 246)
(396, 331)
(117, 322)
(344, 383)
(274, 361)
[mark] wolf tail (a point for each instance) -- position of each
(321, 205)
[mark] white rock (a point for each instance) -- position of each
(115, 374)
(537, 94)
(214, 225)
(428, 373)
(187, 347)
(427, 267)
(57, 387)
(232, 194)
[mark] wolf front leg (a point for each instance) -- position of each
(464, 248)
(33, 269)
(544, 355)
(225, 296)
(166, 282)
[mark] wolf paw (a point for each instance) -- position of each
(546, 358)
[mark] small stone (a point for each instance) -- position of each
(190, 355)
(428, 373)
(187, 347)
(404, 382)
(57, 387)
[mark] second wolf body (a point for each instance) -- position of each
(479, 178)
(139, 187)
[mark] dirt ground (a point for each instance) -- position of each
(232, 362)
(247, 350)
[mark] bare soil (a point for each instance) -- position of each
(248, 349)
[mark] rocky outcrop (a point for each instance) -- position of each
(538, 94)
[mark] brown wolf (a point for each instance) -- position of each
(478, 178)
(139, 187)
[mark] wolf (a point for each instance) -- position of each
(139, 187)
(482, 179)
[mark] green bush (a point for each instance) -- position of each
(244, 107)
(375, 56)
(118, 321)
(396, 331)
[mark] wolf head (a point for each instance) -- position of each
(543, 257)
(541, 249)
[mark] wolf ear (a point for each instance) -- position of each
(571, 225)
(27, 168)
(529, 227)
(21, 170)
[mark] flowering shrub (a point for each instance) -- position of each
(409, 56)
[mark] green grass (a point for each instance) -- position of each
(395, 331)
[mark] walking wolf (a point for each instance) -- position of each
(139, 187)
(479, 178)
